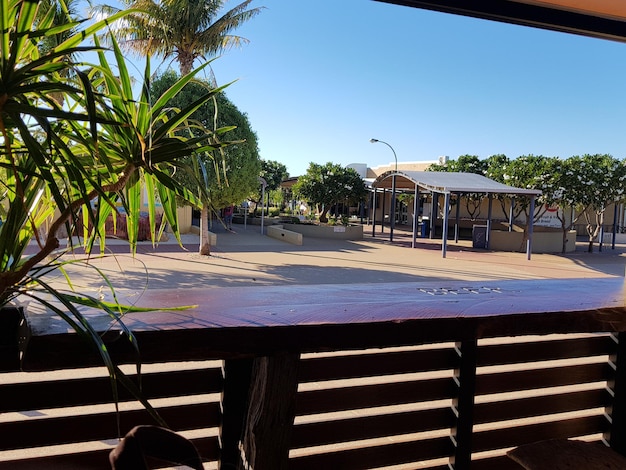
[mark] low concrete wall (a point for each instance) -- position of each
(619, 238)
(240, 219)
(212, 236)
(279, 233)
(335, 232)
(543, 242)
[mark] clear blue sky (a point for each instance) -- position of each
(320, 78)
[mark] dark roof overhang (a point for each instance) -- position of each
(604, 19)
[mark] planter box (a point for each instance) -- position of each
(333, 232)
(543, 242)
(280, 233)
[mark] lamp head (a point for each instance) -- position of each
(373, 141)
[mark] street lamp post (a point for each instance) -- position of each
(393, 189)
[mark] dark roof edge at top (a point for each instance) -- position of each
(527, 15)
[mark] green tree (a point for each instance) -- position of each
(229, 174)
(63, 14)
(590, 183)
(186, 31)
(329, 184)
(241, 160)
(273, 173)
(465, 164)
(495, 166)
(533, 172)
(277, 198)
(183, 30)
(554, 190)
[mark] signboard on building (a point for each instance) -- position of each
(550, 217)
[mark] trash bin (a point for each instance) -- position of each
(423, 227)
(479, 236)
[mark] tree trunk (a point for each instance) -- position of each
(205, 246)
(564, 230)
(323, 217)
(592, 230)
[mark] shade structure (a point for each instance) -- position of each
(449, 183)
(605, 19)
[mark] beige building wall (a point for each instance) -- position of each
(402, 166)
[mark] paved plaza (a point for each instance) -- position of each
(245, 258)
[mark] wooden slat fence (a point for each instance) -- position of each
(524, 391)
(64, 420)
(428, 406)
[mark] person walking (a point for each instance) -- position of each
(228, 216)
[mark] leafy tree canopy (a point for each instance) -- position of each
(464, 164)
(183, 30)
(232, 172)
(496, 167)
(593, 180)
(588, 183)
(273, 173)
(329, 184)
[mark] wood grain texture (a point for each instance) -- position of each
(556, 454)
(230, 323)
(271, 412)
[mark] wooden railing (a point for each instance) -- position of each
(424, 374)
(68, 420)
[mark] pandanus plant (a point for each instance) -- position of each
(70, 134)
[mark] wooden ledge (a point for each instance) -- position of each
(560, 454)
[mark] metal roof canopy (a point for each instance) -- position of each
(448, 183)
(605, 19)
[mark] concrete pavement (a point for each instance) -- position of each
(244, 257)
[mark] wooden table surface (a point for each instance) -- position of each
(234, 322)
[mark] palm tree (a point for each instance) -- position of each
(184, 30)
(63, 13)
(63, 16)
